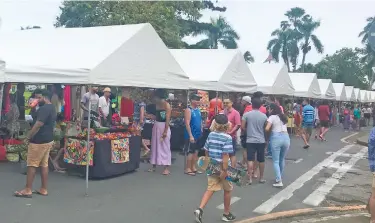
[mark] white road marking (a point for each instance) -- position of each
(298, 161)
(350, 155)
(347, 137)
(232, 201)
(316, 197)
(287, 192)
(327, 218)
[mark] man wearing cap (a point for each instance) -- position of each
(104, 107)
(246, 102)
(92, 98)
(193, 131)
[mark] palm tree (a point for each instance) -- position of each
(368, 54)
(364, 33)
(307, 28)
(283, 42)
(220, 32)
(248, 57)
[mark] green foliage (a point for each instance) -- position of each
(367, 54)
(344, 66)
(297, 30)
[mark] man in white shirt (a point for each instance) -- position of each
(104, 107)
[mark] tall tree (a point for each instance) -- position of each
(281, 43)
(173, 20)
(307, 28)
(368, 55)
(297, 30)
(219, 32)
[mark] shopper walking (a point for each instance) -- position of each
(346, 114)
(235, 120)
(193, 132)
(307, 122)
(40, 142)
(324, 112)
(357, 118)
(218, 146)
(161, 133)
(279, 141)
(253, 123)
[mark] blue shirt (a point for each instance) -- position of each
(217, 144)
(308, 115)
(371, 150)
(195, 123)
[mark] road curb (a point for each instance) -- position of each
(301, 212)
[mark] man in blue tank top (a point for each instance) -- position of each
(193, 131)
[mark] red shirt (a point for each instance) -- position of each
(263, 109)
(323, 112)
(126, 107)
(235, 119)
(248, 108)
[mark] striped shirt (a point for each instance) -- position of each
(308, 115)
(218, 143)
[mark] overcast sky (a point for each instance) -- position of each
(254, 20)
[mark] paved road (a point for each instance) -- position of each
(151, 197)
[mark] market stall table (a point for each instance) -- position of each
(109, 157)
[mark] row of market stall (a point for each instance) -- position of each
(135, 56)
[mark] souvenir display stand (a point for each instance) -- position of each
(111, 153)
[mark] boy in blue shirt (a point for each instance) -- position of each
(218, 146)
(308, 114)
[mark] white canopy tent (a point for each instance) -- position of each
(129, 55)
(350, 95)
(305, 84)
(373, 96)
(340, 91)
(215, 69)
(327, 90)
(357, 93)
(363, 96)
(369, 96)
(272, 79)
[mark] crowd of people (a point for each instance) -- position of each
(257, 126)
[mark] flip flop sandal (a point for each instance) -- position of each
(306, 146)
(262, 181)
(151, 170)
(166, 174)
(189, 173)
(38, 193)
(198, 172)
(21, 195)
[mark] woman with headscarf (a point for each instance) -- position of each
(161, 134)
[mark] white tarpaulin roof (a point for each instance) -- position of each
(327, 90)
(373, 96)
(369, 96)
(216, 69)
(350, 95)
(305, 84)
(129, 55)
(272, 79)
(339, 91)
(363, 96)
(357, 93)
